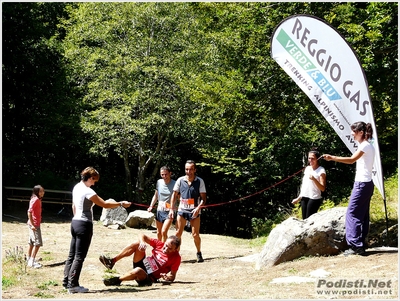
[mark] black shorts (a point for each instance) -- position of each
(149, 279)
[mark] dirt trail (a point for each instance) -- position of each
(228, 271)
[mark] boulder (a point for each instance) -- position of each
(140, 219)
(323, 233)
(114, 216)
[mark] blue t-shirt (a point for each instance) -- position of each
(190, 194)
(164, 193)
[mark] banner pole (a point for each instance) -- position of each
(387, 223)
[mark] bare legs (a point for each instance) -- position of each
(32, 251)
(129, 250)
(195, 225)
(162, 229)
(138, 255)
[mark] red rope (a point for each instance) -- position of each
(245, 197)
(258, 192)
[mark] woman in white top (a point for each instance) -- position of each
(83, 200)
(314, 182)
(357, 216)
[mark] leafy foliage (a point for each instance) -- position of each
(128, 60)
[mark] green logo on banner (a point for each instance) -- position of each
(294, 51)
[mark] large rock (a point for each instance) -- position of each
(140, 219)
(114, 216)
(323, 233)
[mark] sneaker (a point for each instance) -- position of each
(112, 281)
(78, 289)
(199, 257)
(106, 261)
(355, 251)
(30, 263)
(36, 265)
(360, 251)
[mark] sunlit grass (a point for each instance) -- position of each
(45, 285)
(15, 274)
(8, 281)
(12, 273)
(377, 208)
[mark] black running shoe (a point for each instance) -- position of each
(354, 251)
(112, 281)
(199, 257)
(106, 261)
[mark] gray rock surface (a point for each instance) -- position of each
(323, 233)
(139, 219)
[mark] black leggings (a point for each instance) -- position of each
(309, 206)
(82, 233)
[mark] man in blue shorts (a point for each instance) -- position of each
(192, 193)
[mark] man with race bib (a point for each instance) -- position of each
(161, 266)
(192, 193)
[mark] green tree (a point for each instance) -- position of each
(128, 60)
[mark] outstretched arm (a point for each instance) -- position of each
(109, 203)
(347, 160)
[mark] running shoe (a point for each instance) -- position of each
(354, 251)
(199, 257)
(112, 281)
(78, 289)
(106, 261)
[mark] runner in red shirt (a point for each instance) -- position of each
(161, 266)
(34, 221)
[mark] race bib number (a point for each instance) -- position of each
(187, 203)
(150, 265)
(165, 206)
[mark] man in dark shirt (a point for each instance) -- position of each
(192, 193)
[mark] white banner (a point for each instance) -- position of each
(326, 68)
